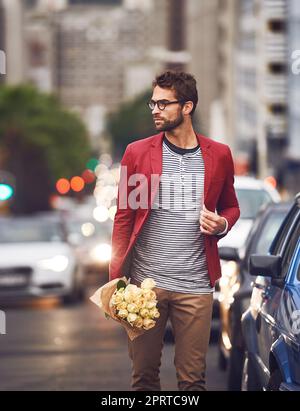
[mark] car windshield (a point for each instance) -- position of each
(250, 201)
(268, 231)
(22, 231)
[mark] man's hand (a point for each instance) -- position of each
(211, 223)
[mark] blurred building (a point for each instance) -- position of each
(40, 43)
(12, 15)
(291, 171)
(246, 81)
(202, 44)
(95, 54)
(261, 97)
(211, 41)
(2, 43)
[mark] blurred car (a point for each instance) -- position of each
(92, 241)
(236, 290)
(271, 325)
(252, 194)
(37, 261)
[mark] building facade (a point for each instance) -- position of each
(291, 170)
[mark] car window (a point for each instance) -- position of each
(268, 231)
(30, 231)
(282, 235)
(290, 249)
(250, 201)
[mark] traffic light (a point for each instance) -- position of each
(7, 185)
(6, 192)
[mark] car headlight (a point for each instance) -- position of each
(101, 253)
(229, 272)
(58, 263)
(229, 282)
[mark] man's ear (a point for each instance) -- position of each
(188, 107)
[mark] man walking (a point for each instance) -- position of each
(176, 200)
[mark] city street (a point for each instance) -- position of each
(52, 347)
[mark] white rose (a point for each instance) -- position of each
(148, 323)
(149, 295)
(151, 304)
(132, 308)
(140, 303)
(132, 288)
(129, 297)
(122, 306)
(132, 293)
(148, 283)
(138, 322)
(117, 298)
(144, 313)
(154, 313)
(123, 314)
(132, 317)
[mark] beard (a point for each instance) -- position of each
(169, 125)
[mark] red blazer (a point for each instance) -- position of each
(145, 157)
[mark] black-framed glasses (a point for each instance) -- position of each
(162, 104)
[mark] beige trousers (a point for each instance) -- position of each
(190, 317)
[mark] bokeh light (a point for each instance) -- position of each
(101, 214)
(77, 183)
(88, 176)
(87, 229)
(6, 192)
(92, 164)
(271, 181)
(63, 186)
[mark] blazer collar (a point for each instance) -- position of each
(205, 145)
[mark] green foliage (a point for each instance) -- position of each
(121, 284)
(41, 141)
(132, 121)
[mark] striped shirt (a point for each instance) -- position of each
(170, 247)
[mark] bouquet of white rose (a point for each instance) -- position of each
(135, 308)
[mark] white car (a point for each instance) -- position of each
(251, 194)
(37, 261)
(92, 242)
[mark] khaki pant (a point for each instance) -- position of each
(190, 317)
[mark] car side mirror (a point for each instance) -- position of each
(229, 254)
(265, 265)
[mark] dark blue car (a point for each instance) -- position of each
(271, 325)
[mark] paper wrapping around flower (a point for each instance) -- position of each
(102, 298)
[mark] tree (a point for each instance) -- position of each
(131, 122)
(39, 143)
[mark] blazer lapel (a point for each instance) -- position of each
(156, 164)
(208, 162)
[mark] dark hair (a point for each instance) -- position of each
(182, 83)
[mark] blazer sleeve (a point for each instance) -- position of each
(125, 216)
(228, 205)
